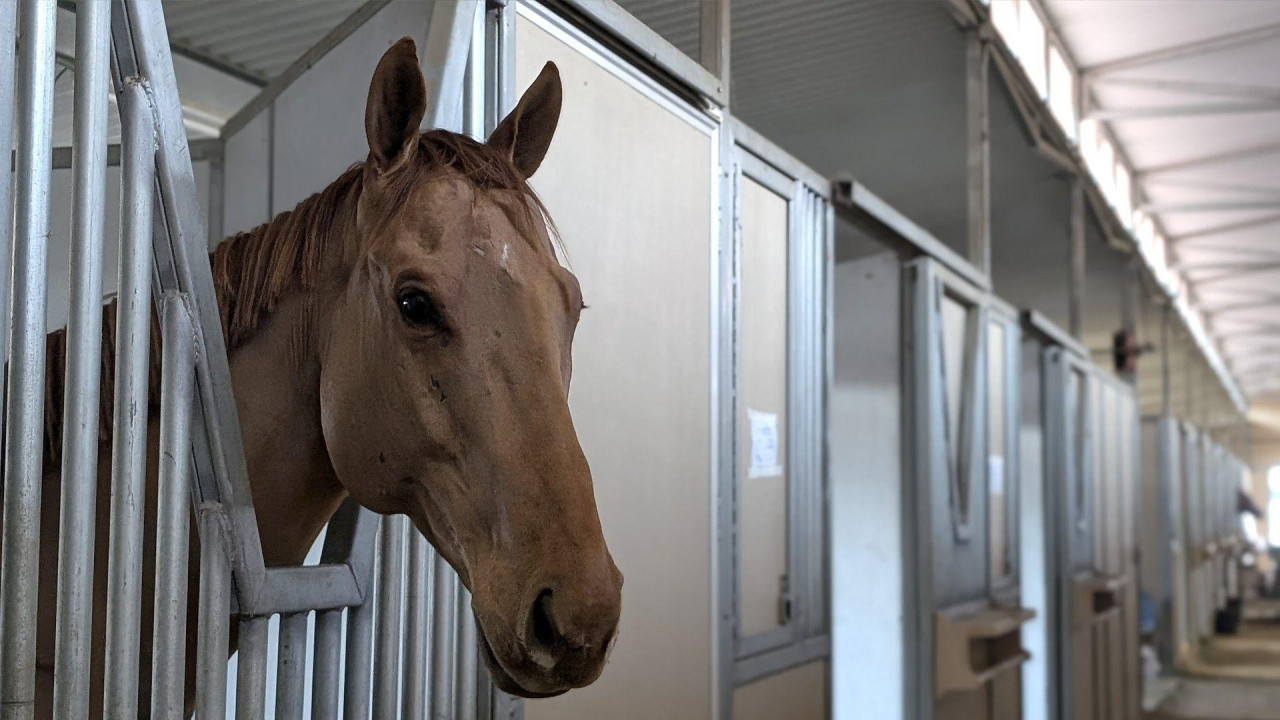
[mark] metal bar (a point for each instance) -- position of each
(19, 568)
(129, 446)
(444, 60)
(468, 659)
(214, 615)
(1249, 153)
(417, 628)
(173, 503)
(714, 38)
(8, 40)
(291, 666)
(77, 518)
(358, 668)
(327, 660)
(1197, 47)
(443, 625)
(1191, 110)
(273, 90)
(1207, 89)
(251, 669)
(978, 152)
(141, 48)
(386, 656)
(1216, 206)
(1077, 271)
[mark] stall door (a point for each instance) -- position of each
(1089, 598)
(964, 403)
(1115, 539)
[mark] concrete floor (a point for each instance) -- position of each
(1201, 699)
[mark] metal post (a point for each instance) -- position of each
(83, 369)
(129, 447)
(251, 669)
(977, 126)
(359, 664)
(173, 505)
(714, 33)
(386, 657)
(291, 666)
(1166, 337)
(214, 617)
(327, 661)
(417, 612)
(443, 624)
(24, 426)
(1076, 265)
(8, 41)
(468, 658)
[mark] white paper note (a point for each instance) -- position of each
(764, 445)
(995, 474)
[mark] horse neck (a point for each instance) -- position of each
(295, 489)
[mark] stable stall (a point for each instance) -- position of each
(923, 427)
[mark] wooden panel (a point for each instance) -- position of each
(796, 694)
(629, 183)
(762, 389)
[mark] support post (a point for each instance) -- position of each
(1076, 276)
(978, 149)
(714, 32)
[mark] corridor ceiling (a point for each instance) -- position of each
(1191, 92)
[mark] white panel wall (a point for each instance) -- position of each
(629, 183)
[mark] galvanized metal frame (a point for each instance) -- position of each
(807, 234)
(1004, 589)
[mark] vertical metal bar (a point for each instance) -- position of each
(291, 666)
(1076, 265)
(1166, 337)
(500, 42)
(444, 58)
(173, 505)
(416, 643)
(8, 41)
(129, 447)
(19, 568)
(326, 664)
(714, 39)
(83, 371)
(443, 626)
(214, 617)
(977, 126)
(251, 669)
(358, 668)
(465, 684)
(217, 194)
(386, 656)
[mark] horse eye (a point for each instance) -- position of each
(417, 308)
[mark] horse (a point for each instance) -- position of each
(403, 338)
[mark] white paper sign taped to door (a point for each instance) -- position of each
(764, 445)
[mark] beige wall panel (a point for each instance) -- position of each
(762, 387)
(797, 694)
(629, 184)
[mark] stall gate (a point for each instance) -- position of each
(1162, 572)
(964, 402)
(380, 627)
(1092, 450)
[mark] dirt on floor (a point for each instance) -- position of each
(1205, 699)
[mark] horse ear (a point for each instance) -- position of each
(397, 101)
(525, 134)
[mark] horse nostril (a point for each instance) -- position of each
(541, 623)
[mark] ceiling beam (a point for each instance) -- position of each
(1213, 230)
(1210, 206)
(1234, 276)
(1248, 153)
(1148, 112)
(1189, 49)
(1193, 87)
(1210, 312)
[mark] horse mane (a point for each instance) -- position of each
(254, 270)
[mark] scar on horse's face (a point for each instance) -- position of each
(444, 388)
